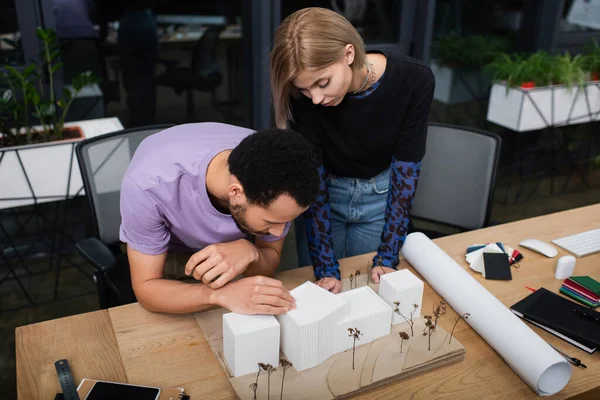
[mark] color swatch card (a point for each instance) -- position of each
(492, 260)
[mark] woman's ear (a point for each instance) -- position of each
(349, 54)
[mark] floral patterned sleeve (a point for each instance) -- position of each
(318, 227)
(403, 183)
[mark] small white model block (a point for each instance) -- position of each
(404, 287)
(248, 340)
(368, 313)
(308, 331)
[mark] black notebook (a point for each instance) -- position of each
(561, 317)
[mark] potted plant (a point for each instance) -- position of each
(540, 90)
(591, 60)
(36, 144)
(457, 65)
(27, 96)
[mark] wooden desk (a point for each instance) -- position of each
(129, 344)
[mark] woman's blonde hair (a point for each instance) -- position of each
(311, 38)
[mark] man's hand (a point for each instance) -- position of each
(223, 260)
(331, 284)
(254, 295)
(376, 272)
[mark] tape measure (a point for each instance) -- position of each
(65, 377)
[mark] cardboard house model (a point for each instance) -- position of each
(403, 287)
(248, 340)
(318, 327)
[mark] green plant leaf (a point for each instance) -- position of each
(56, 67)
(14, 72)
(47, 109)
(67, 93)
(35, 98)
(30, 69)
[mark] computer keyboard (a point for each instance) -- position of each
(581, 244)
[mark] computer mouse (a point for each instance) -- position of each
(539, 246)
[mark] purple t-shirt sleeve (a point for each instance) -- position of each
(142, 226)
(271, 238)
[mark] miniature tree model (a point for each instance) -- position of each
(403, 336)
(355, 334)
(409, 320)
(368, 272)
(351, 277)
(285, 364)
(465, 316)
(254, 386)
(356, 275)
(429, 327)
(438, 311)
(270, 370)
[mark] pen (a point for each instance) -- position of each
(572, 360)
(586, 316)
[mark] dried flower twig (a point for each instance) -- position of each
(285, 364)
(438, 311)
(409, 320)
(403, 336)
(465, 316)
(355, 334)
(429, 327)
(254, 386)
(270, 370)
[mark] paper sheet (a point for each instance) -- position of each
(540, 366)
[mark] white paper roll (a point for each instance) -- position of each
(546, 371)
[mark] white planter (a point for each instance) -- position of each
(453, 86)
(521, 109)
(46, 166)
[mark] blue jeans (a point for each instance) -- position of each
(357, 216)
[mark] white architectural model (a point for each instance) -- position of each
(318, 327)
(368, 313)
(308, 332)
(248, 340)
(403, 287)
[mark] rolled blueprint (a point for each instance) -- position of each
(546, 371)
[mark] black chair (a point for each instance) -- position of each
(458, 175)
(103, 161)
(203, 74)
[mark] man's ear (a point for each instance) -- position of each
(236, 192)
(349, 54)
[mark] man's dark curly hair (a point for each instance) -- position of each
(273, 162)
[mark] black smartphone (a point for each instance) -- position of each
(121, 391)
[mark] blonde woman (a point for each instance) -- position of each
(366, 115)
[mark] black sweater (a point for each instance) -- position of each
(358, 137)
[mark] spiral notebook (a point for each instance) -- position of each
(564, 318)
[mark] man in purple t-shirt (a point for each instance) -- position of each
(204, 188)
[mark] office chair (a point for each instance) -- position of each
(203, 73)
(458, 174)
(103, 161)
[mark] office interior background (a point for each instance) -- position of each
(224, 78)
